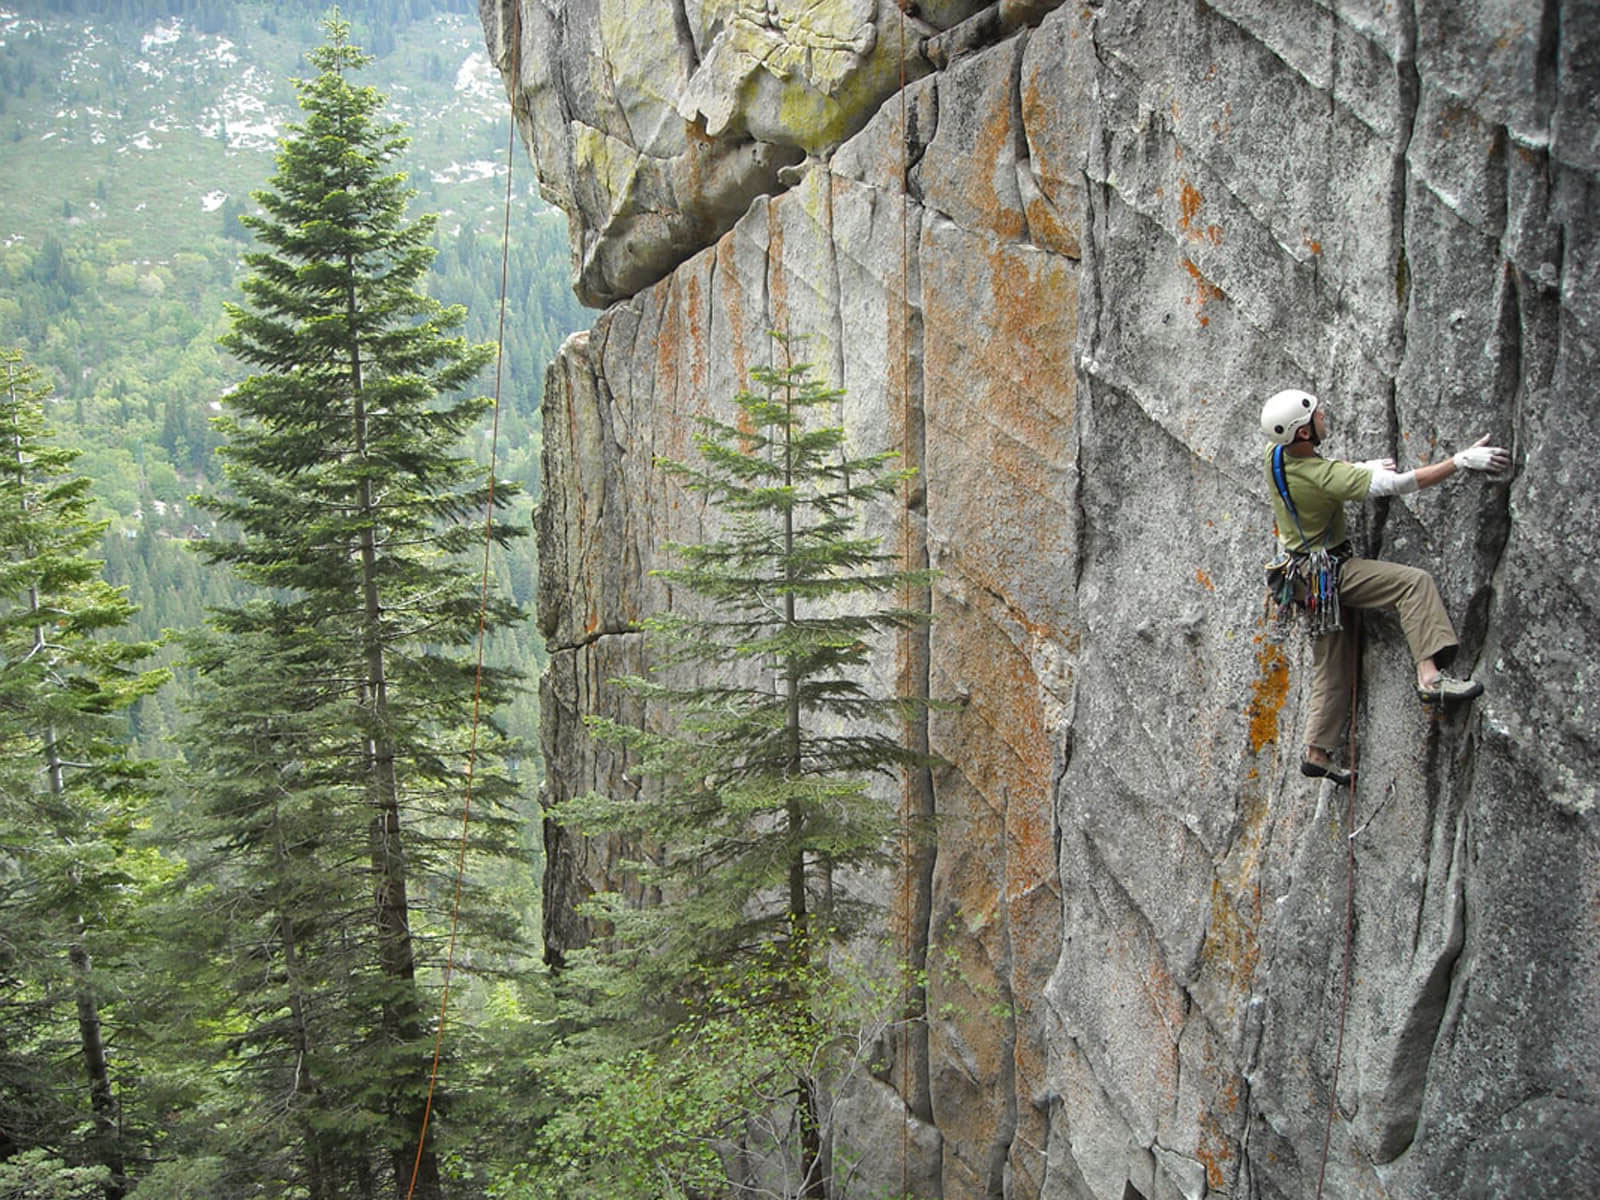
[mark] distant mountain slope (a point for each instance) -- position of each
(132, 134)
(143, 127)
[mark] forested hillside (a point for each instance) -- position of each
(250, 282)
(134, 132)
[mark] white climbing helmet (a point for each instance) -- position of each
(1284, 412)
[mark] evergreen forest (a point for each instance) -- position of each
(153, 122)
(270, 853)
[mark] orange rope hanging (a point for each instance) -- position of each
(483, 608)
(907, 905)
(1349, 903)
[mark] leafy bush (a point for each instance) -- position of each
(35, 1175)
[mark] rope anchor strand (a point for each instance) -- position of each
(483, 609)
(1349, 904)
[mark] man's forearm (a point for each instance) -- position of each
(1435, 473)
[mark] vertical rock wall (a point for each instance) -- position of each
(1126, 224)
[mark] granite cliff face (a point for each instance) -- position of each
(1060, 271)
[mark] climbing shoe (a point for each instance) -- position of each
(1328, 771)
(1446, 689)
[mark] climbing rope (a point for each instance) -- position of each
(483, 609)
(907, 906)
(1349, 899)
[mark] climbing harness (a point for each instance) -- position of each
(483, 610)
(1302, 585)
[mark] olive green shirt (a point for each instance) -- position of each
(1319, 487)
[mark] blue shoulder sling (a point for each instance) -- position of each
(1302, 585)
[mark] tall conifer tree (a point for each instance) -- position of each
(759, 790)
(67, 789)
(355, 510)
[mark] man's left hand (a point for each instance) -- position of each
(1480, 456)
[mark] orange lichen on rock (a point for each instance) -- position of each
(1030, 845)
(1269, 691)
(1189, 201)
(1231, 939)
(1208, 291)
(695, 311)
(1216, 1148)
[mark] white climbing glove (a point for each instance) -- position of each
(1482, 457)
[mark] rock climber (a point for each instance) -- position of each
(1296, 422)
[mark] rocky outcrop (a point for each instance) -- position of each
(1059, 271)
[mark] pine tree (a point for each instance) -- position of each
(760, 790)
(270, 744)
(67, 788)
(355, 512)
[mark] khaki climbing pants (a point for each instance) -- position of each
(1369, 583)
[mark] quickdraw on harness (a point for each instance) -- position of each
(1302, 585)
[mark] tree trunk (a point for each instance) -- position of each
(393, 908)
(317, 1175)
(812, 1184)
(102, 1099)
